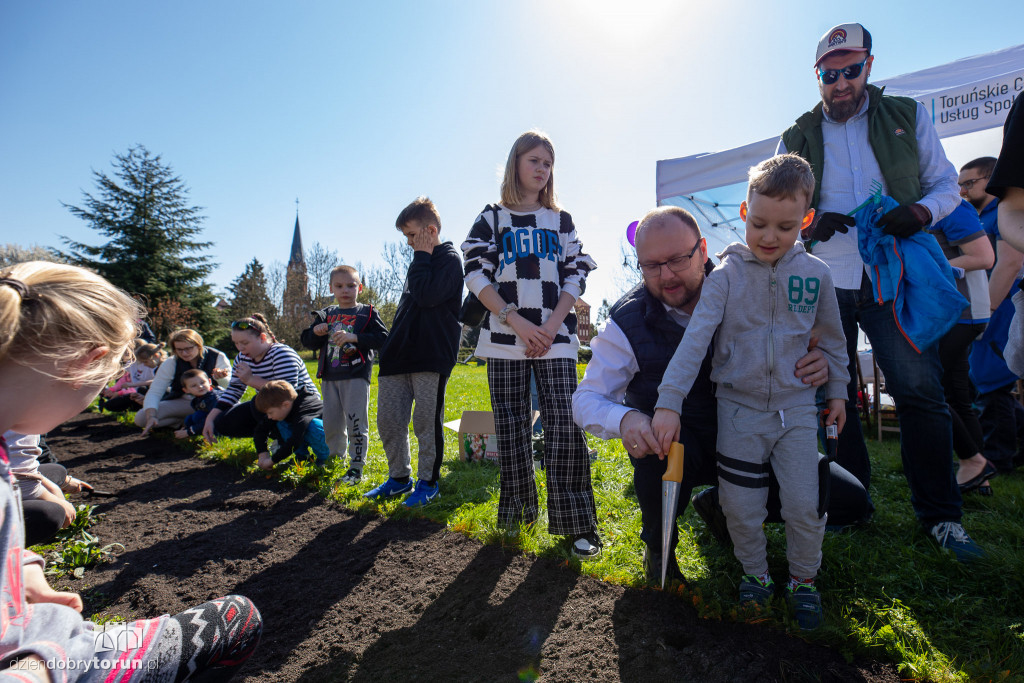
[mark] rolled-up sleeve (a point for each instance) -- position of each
(597, 404)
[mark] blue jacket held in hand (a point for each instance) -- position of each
(912, 275)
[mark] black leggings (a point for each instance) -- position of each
(239, 421)
(954, 349)
(44, 518)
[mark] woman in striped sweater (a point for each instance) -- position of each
(261, 358)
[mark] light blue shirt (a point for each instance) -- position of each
(851, 166)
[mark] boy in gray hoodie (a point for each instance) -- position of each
(760, 306)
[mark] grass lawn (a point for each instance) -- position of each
(889, 592)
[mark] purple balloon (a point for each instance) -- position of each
(631, 233)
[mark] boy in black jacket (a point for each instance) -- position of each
(346, 336)
(296, 416)
(418, 357)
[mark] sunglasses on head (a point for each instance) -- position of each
(243, 325)
(830, 76)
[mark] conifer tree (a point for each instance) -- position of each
(249, 293)
(153, 232)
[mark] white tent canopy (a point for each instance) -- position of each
(968, 95)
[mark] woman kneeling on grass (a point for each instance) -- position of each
(261, 358)
(167, 404)
(64, 332)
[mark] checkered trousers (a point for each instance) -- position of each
(571, 508)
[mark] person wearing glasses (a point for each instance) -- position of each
(616, 397)
(261, 358)
(857, 139)
(166, 403)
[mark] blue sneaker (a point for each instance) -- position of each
(951, 536)
(389, 489)
(755, 593)
(422, 495)
(805, 602)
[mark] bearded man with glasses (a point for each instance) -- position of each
(855, 139)
(615, 399)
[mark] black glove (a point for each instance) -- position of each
(826, 225)
(905, 220)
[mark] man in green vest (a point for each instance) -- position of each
(855, 139)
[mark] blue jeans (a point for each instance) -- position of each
(314, 439)
(914, 380)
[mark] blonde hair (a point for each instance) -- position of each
(343, 269)
(511, 190)
(188, 336)
(60, 313)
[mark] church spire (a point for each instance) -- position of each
(296, 252)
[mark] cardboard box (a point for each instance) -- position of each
(476, 435)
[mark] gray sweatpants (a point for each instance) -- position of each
(170, 412)
(396, 395)
(747, 438)
(346, 410)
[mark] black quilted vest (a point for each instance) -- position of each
(207, 363)
(654, 336)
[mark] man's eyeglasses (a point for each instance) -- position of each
(243, 325)
(968, 184)
(830, 76)
(676, 265)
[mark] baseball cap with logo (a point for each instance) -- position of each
(853, 37)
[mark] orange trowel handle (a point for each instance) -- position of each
(674, 472)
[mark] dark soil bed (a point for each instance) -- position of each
(355, 597)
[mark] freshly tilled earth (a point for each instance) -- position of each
(349, 597)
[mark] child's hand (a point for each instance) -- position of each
(341, 336)
(180, 433)
(321, 330)
(665, 426)
(836, 413)
(424, 240)
(537, 339)
(265, 461)
(150, 423)
(219, 373)
(137, 398)
(37, 590)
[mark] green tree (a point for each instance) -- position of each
(153, 245)
(249, 293)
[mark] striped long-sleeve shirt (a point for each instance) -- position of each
(536, 257)
(280, 362)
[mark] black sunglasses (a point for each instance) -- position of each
(243, 325)
(830, 76)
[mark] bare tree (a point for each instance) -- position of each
(628, 274)
(319, 263)
(15, 253)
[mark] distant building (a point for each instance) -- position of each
(222, 305)
(296, 300)
(584, 330)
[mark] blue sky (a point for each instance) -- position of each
(358, 108)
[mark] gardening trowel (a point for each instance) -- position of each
(669, 502)
(824, 476)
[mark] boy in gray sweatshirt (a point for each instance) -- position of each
(760, 306)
